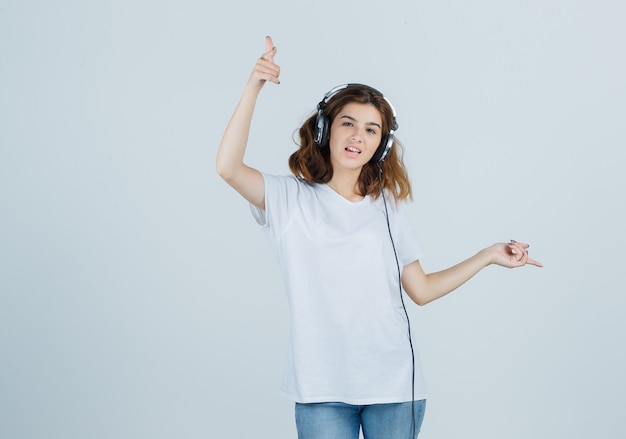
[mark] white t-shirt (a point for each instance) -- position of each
(349, 336)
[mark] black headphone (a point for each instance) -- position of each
(322, 124)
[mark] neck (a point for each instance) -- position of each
(346, 185)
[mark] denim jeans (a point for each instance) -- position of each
(336, 420)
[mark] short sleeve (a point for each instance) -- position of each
(407, 243)
(281, 197)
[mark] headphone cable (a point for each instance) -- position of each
(393, 245)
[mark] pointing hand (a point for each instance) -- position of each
(265, 69)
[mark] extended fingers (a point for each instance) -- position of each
(269, 44)
(270, 49)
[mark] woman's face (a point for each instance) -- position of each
(355, 135)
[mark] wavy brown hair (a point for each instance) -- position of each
(311, 162)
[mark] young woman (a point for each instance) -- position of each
(347, 252)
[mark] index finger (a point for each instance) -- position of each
(535, 263)
(269, 44)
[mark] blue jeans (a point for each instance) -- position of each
(336, 420)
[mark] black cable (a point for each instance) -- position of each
(393, 245)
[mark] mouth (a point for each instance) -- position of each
(353, 150)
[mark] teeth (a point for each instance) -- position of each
(349, 148)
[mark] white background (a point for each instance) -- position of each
(138, 298)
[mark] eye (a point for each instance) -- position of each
(346, 123)
(371, 130)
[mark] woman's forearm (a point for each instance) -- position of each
(440, 283)
(423, 288)
(230, 155)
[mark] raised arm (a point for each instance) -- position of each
(423, 288)
(229, 162)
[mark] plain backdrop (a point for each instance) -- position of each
(138, 298)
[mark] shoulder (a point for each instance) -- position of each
(288, 188)
(288, 181)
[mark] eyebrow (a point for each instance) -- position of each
(345, 116)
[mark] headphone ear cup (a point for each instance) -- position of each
(321, 129)
(383, 149)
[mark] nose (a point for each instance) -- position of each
(357, 135)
